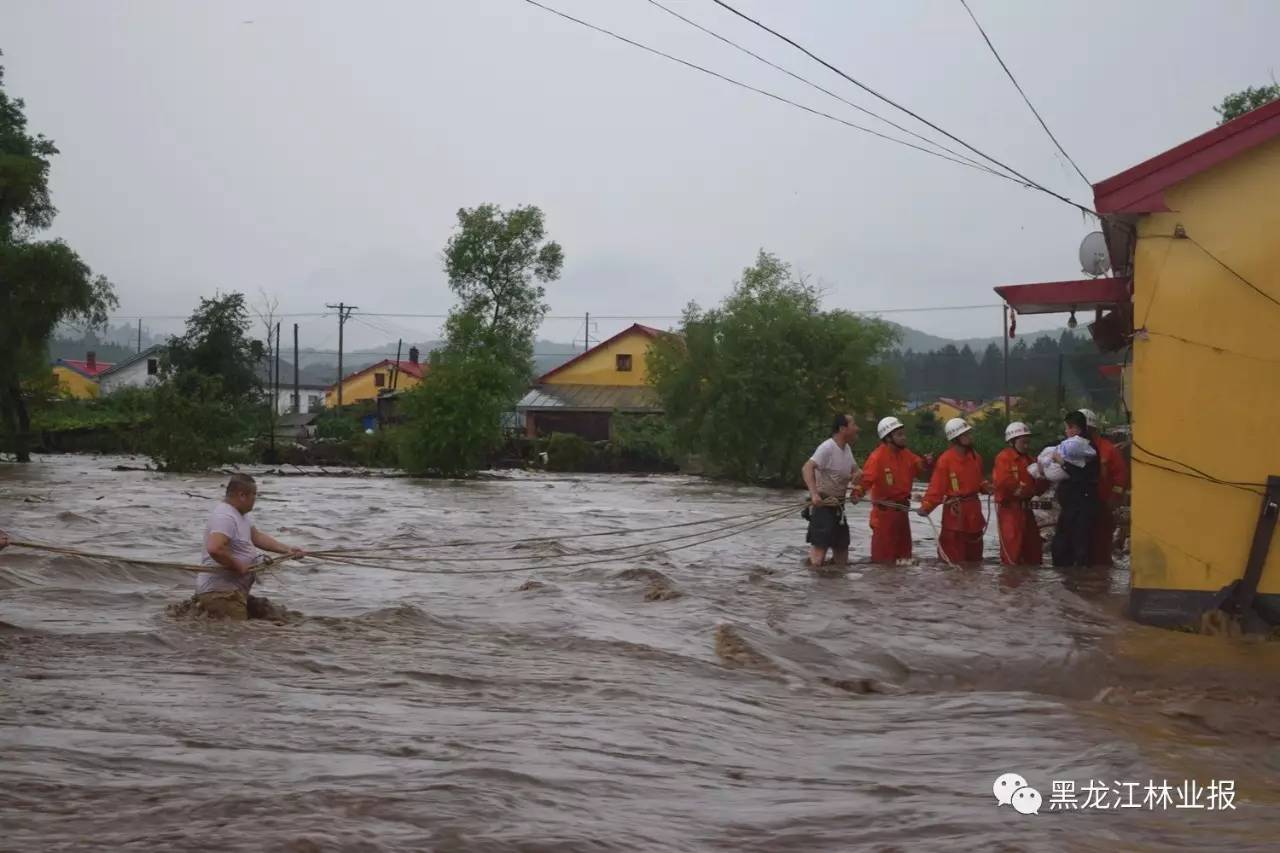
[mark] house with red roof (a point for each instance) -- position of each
(1194, 301)
(79, 378)
(376, 380)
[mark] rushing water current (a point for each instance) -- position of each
(720, 697)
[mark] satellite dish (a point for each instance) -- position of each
(1094, 257)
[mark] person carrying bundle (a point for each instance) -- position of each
(1077, 495)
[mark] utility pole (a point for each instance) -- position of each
(395, 368)
(297, 395)
(139, 334)
(1062, 391)
(344, 311)
(1008, 415)
(275, 391)
(586, 332)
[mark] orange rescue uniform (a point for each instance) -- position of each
(1113, 480)
(957, 479)
(888, 475)
(1020, 542)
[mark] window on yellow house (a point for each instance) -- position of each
(379, 380)
(623, 362)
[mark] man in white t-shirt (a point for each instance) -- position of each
(231, 544)
(828, 474)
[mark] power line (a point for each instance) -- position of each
(1214, 347)
(577, 318)
(772, 95)
(1018, 86)
(820, 88)
(1027, 181)
(1202, 474)
(1224, 265)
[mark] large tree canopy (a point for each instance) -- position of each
(750, 385)
(496, 262)
(42, 284)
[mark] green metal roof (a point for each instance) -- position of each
(590, 398)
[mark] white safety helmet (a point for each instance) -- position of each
(956, 427)
(1090, 418)
(1017, 429)
(888, 426)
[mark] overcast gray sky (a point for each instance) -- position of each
(321, 149)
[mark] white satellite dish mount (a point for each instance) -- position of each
(1095, 260)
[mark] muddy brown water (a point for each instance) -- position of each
(717, 698)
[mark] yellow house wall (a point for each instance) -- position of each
(362, 387)
(74, 384)
(1216, 410)
(944, 411)
(600, 365)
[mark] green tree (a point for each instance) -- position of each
(1238, 103)
(42, 283)
(497, 262)
(208, 400)
(453, 418)
(196, 424)
(751, 385)
(216, 343)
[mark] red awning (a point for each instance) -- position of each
(1111, 371)
(1059, 297)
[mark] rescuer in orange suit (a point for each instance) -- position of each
(956, 484)
(1113, 480)
(1020, 542)
(887, 476)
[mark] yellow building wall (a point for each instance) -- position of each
(1215, 409)
(362, 387)
(75, 385)
(600, 365)
(944, 411)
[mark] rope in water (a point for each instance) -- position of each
(752, 521)
(431, 546)
(116, 558)
(724, 533)
(404, 557)
(366, 557)
(385, 553)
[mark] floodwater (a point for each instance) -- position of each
(720, 697)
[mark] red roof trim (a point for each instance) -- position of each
(82, 367)
(414, 369)
(647, 331)
(1055, 297)
(1140, 189)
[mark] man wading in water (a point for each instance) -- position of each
(828, 474)
(231, 544)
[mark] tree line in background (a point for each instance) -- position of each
(1068, 362)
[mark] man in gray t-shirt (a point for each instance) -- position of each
(827, 475)
(231, 550)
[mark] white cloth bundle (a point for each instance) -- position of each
(1044, 468)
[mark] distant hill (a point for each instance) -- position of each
(918, 341)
